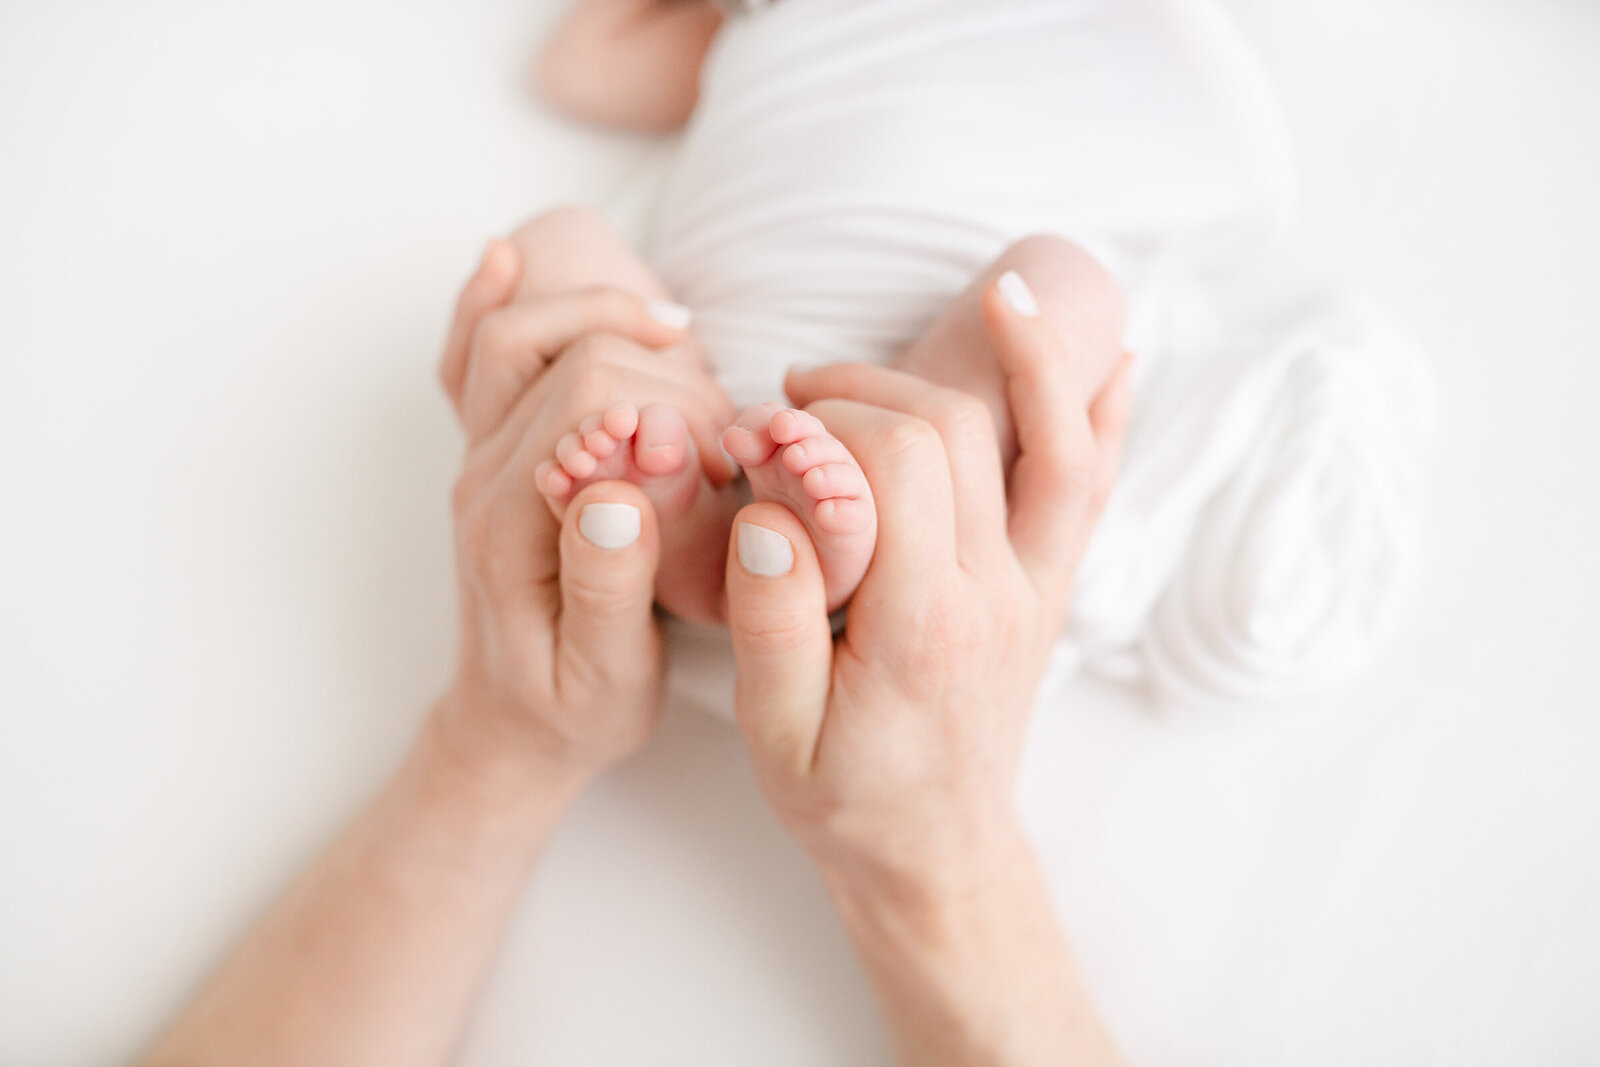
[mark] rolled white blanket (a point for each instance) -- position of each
(852, 164)
(1263, 537)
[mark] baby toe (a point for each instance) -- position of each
(744, 446)
(813, 451)
(834, 480)
(572, 457)
(581, 465)
(552, 481)
(662, 442)
(792, 424)
(843, 515)
(621, 420)
(599, 443)
(747, 440)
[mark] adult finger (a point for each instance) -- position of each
(610, 547)
(512, 345)
(490, 286)
(1055, 485)
(963, 422)
(906, 465)
(782, 644)
(512, 532)
(1108, 419)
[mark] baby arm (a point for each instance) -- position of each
(632, 64)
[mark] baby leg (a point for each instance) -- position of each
(1071, 291)
(573, 248)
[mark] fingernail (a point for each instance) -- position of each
(764, 552)
(733, 464)
(1017, 294)
(668, 313)
(608, 525)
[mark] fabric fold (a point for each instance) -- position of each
(1265, 535)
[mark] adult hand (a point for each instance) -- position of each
(374, 954)
(891, 754)
(542, 364)
(559, 654)
(898, 746)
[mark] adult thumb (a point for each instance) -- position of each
(778, 616)
(609, 550)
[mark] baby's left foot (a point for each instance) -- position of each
(790, 457)
(651, 447)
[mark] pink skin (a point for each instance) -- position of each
(789, 455)
(649, 447)
(791, 458)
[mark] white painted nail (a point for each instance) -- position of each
(608, 525)
(763, 551)
(1017, 294)
(669, 314)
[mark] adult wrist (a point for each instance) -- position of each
(493, 768)
(923, 880)
(970, 966)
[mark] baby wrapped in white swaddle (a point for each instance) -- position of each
(852, 164)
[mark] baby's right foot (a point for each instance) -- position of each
(789, 456)
(651, 447)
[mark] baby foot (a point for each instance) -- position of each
(648, 446)
(651, 447)
(790, 457)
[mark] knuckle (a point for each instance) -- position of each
(603, 304)
(580, 673)
(1072, 464)
(908, 440)
(591, 378)
(943, 639)
(1078, 477)
(966, 419)
(583, 593)
(776, 630)
(493, 336)
(586, 354)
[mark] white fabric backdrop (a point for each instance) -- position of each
(228, 238)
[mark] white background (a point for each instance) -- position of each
(229, 235)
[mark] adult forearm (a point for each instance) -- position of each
(374, 954)
(971, 968)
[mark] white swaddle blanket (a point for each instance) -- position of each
(852, 164)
